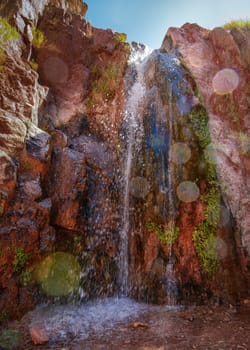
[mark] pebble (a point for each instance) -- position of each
(38, 336)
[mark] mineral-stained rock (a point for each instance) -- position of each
(206, 53)
(60, 162)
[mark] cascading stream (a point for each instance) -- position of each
(134, 130)
(149, 128)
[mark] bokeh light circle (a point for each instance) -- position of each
(55, 70)
(225, 81)
(181, 153)
(188, 191)
(58, 274)
(221, 247)
(139, 187)
(212, 151)
(224, 216)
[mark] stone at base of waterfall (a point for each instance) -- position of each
(38, 336)
(137, 325)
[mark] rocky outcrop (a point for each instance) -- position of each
(219, 62)
(61, 101)
(63, 139)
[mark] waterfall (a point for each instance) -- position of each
(134, 131)
(153, 86)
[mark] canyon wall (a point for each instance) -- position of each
(62, 148)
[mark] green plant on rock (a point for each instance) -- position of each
(33, 64)
(9, 338)
(205, 246)
(37, 37)
(7, 33)
(204, 235)
(20, 260)
(199, 122)
(166, 236)
(25, 278)
(240, 23)
(104, 82)
(121, 37)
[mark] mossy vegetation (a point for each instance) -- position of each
(166, 236)
(204, 235)
(104, 83)
(121, 37)
(239, 23)
(9, 339)
(33, 64)
(38, 37)
(20, 260)
(7, 33)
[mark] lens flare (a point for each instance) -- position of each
(55, 70)
(58, 274)
(181, 153)
(224, 216)
(211, 152)
(221, 248)
(188, 191)
(186, 103)
(139, 187)
(225, 81)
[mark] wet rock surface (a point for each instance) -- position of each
(63, 141)
(211, 56)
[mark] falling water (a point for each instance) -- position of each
(133, 133)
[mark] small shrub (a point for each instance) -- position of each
(121, 37)
(38, 37)
(25, 278)
(33, 64)
(20, 260)
(166, 236)
(7, 32)
(240, 23)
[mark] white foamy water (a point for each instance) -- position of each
(84, 320)
(134, 104)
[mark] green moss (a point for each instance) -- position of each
(104, 82)
(166, 236)
(240, 23)
(38, 37)
(25, 278)
(9, 338)
(33, 64)
(20, 260)
(199, 122)
(204, 235)
(205, 246)
(7, 32)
